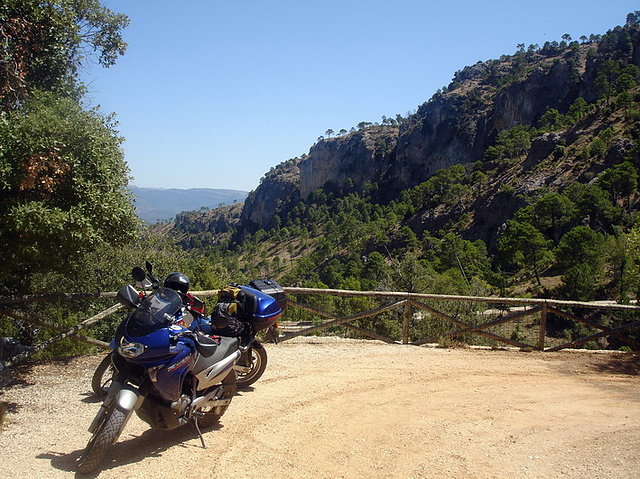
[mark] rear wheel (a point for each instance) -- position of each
(212, 415)
(106, 434)
(258, 364)
(101, 379)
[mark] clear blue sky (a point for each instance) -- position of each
(214, 93)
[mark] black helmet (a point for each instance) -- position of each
(177, 282)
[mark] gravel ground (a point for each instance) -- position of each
(330, 408)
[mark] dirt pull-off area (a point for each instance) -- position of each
(329, 408)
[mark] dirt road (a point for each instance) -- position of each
(331, 408)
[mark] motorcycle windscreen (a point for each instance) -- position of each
(156, 311)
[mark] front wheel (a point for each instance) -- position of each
(106, 435)
(101, 379)
(250, 373)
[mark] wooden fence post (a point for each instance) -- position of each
(543, 326)
(406, 322)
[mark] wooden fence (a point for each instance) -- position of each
(420, 319)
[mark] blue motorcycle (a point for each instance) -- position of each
(165, 372)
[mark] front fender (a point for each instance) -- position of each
(122, 396)
(126, 399)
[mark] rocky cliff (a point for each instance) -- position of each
(278, 190)
(454, 127)
(457, 126)
(347, 161)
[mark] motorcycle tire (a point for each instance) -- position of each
(101, 379)
(212, 416)
(258, 366)
(106, 435)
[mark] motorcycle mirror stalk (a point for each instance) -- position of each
(155, 282)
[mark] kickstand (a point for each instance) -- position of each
(195, 422)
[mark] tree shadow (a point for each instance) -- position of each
(10, 407)
(151, 443)
(627, 364)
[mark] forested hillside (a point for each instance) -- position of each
(519, 177)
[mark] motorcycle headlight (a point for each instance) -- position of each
(130, 350)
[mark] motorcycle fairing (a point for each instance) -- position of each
(168, 378)
(210, 371)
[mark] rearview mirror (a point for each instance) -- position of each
(138, 274)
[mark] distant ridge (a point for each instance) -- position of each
(160, 204)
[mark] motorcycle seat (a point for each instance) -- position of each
(206, 345)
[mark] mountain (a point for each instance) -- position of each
(463, 123)
(159, 204)
(521, 167)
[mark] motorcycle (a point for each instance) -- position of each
(250, 367)
(166, 373)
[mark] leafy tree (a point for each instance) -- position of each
(62, 186)
(581, 245)
(551, 120)
(329, 132)
(469, 257)
(578, 109)
(593, 205)
(632, 249)
(523, 245)
(578, 282)
(45, 42)
(553, 211)
(633, 18)
(62, 173)
(616, 250)
(412, 274)
(621, 181)
(511, 143)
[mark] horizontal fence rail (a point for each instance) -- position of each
(423, 318)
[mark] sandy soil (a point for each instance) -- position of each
(331, 408)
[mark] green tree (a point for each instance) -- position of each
(62, 173)
(578, 282)
(412, 275)
(578, 109)
(552, 212)
(523, 245)
(621, 181)
(511, 143)
(62, 186)
(468, 257)
(632, 248)
(593, 205)
(581, 245)
(44, 43)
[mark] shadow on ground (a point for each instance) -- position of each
(627, 364)
(131, 449)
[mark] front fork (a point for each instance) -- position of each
(122, 396)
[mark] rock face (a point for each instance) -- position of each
(448, 130)
(348, 161)
(279, 188)
(454, 127)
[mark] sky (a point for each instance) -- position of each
(212, 93)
